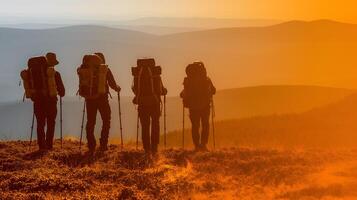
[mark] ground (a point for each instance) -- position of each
(235, 173)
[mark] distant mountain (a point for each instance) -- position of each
(153, 25)
(332, 126)
(309, 53)
(202, 23)
(15, 118)
(32, 26)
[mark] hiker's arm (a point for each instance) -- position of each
(164, 90)
(213, 89)
(134, 87)
(60, 87)
(182, 93)
(111, 81)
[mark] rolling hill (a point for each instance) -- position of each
(201, 23)
(296, 52)
(331, 126)
(15, 118)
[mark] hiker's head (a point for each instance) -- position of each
(199, 64)
(196, 70)
(101, 55)
(201, 69)
(190, 70)
(51, 59)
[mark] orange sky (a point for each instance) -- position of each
(342, 10)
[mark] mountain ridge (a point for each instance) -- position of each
(255, 57)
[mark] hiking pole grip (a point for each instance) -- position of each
(61, 122)
(120, 122)
(83, 113)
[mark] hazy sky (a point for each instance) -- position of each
(342, 10)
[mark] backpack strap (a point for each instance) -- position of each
(139, 80)
(44, 82)
(151, 80)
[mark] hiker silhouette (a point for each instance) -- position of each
(42, 84)
(95, 78)
(148, 89)
(197, 97)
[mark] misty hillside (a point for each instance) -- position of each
(333, 125)
(296, 52)
(201, 23)
(234, 173)
(15, 118)
(152, 25)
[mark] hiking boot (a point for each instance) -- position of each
(204, 148)
(103, 148)
(154, 150)
(155, 157)
(49, 148)
(42, 150)
(197, 148)
(90, 152)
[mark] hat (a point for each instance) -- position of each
(51, 59)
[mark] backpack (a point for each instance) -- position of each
(197, 92)
(147, 82)
(39, 79)
(92, 77)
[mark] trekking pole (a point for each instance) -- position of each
(84, 111)
(61, 122)
(120, 123)
(213, 128)
(165, 121)
(137, 131)
(183, 126)
(32, 124)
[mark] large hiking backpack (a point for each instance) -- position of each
(39, 79)
(147, 82)
(197, 92)
(92, 77)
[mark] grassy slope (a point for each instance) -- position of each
(176, 174)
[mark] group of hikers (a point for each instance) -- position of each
(43, 85)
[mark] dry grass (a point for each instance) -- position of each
(236, 173)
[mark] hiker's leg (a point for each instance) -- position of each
(105, 113)
(155, 128)
(145, 127)
(92, 107)
(51, 123)
(40, 122)
(205, 113)
(195, 120)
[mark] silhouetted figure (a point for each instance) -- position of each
(197, 97)
(95, 79)
(42, 84)
(148, 89)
